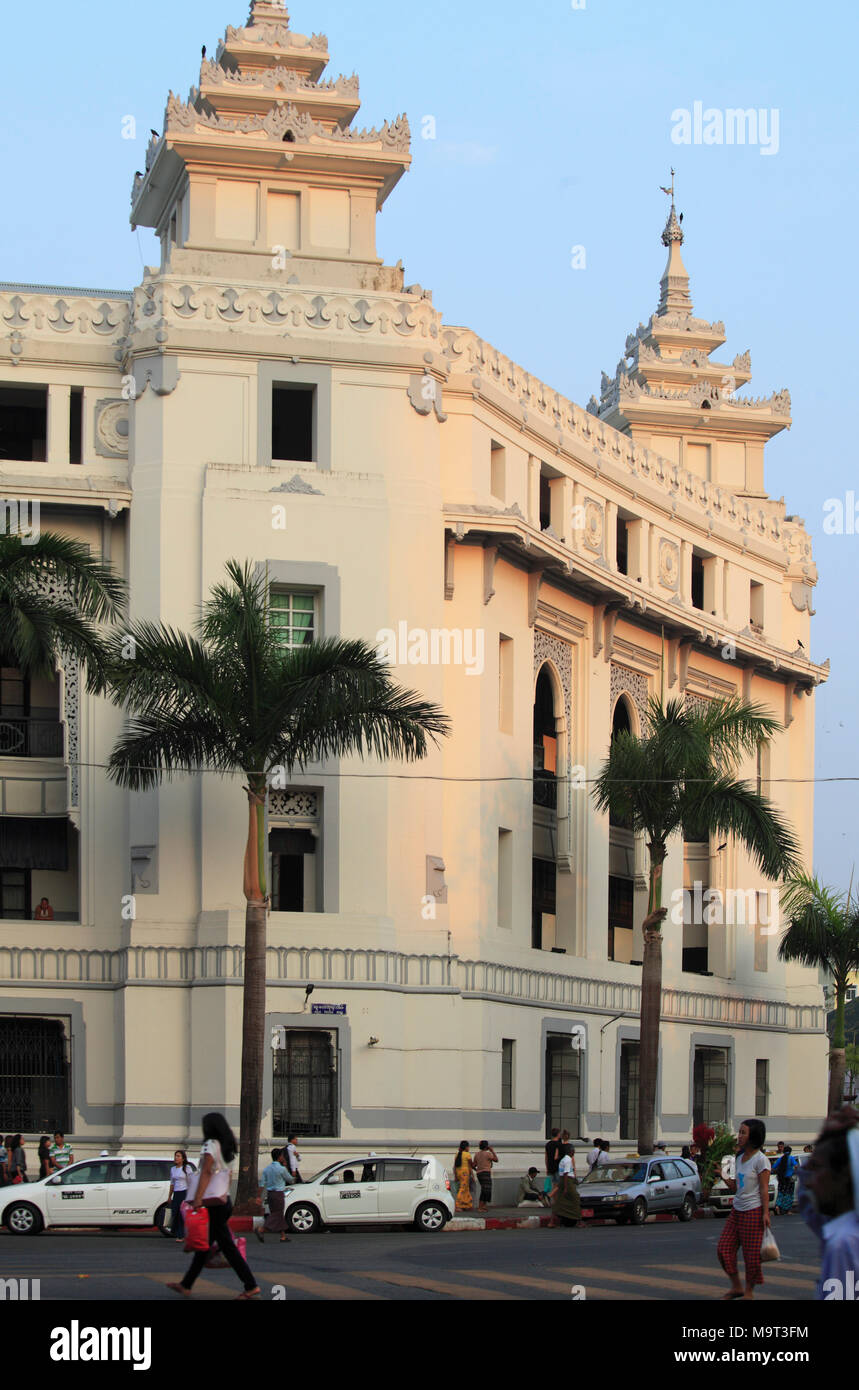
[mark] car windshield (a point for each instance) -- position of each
(617, 1173)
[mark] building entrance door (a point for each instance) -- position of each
(563, 1084)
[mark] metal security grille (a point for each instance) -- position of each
(563, 1084)
(34, 1075)
(629, 1063)
(710, 1099)
(305, 1099)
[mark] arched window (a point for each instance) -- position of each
(545, 833)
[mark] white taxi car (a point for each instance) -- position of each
(107, 1191)
(382, 1189)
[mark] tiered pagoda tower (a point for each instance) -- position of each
(671, 396)
(262, 165)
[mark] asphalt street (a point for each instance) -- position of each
(662, 1262)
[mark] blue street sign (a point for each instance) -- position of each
(328, 1008)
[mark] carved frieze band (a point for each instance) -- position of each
(189, 965)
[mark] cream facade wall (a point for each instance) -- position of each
(406, 515)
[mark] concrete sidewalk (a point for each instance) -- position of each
(534, 1217)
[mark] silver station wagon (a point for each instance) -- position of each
(633, 1189)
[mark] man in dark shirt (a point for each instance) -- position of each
(554, 1154)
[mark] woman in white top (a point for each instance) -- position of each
(749, 1216)
(209, 1188)
(179, 1175)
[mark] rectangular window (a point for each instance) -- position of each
(756, 607)
(543, 903)
(23, 423)
(563, 1084)
(762, 1087)
(508, 1051)
(15, 895)
(505, 879)
(505, 684)
(293, 870)
(76, 425)
(621, 898)
(698, 581)
(293, 618)
(762, 942)
(498, 471)
(545, 502)
(305, 1096)
(292, 424)
(710, 1086)
(622, 546)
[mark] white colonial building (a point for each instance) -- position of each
(273, 392)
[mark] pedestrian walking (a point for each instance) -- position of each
(784, 1173)
(483, 1162)
(179, 1175)
(463, 1166)
(567, 1202)
(61, 1152)
(829, 1203)
(274, 1179)
(593, 1155)
(16, 1163)
(749, 1216)
(554, 1154)
(209, 1190)
(293, 1158)
(47, 1166)
(605, 1153)
(4, 1160)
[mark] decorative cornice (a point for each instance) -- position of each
(354, 968)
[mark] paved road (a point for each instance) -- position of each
(670, 1262)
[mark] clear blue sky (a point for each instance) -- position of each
(553, 130)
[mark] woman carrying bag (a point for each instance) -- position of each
(748, 1223)
(209, 1190)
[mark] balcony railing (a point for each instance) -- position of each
(30, 738)
(545, 790)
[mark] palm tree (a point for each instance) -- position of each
(823, 932)
(39, 627)
(680, 776)
(233, 700)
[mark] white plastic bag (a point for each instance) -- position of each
(769, 1249)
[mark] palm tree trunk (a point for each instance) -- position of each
(651, 1004)
(837, 1052)
(253, 1015)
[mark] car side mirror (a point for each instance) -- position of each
(53, 1182)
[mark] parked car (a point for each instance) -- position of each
(109, 1191)
(721, 1197)
(634, 1189)
(380, 1188)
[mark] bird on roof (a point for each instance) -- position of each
(154, 133)
(681, 217)
(137, 174)
(204, 50)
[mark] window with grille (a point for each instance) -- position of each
(293, 618)
(710, 1087)
(34, 1075)
(305, 1097)
(563, 1084)
(508, 1048)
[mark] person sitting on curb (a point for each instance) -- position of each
(529, 1191)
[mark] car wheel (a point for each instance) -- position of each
(160, 1220)
(687, 1211)
(303, 1219)
(430, 1217)
(21, 1219)
(638, 1215)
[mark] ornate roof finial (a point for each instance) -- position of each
(673, 230)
